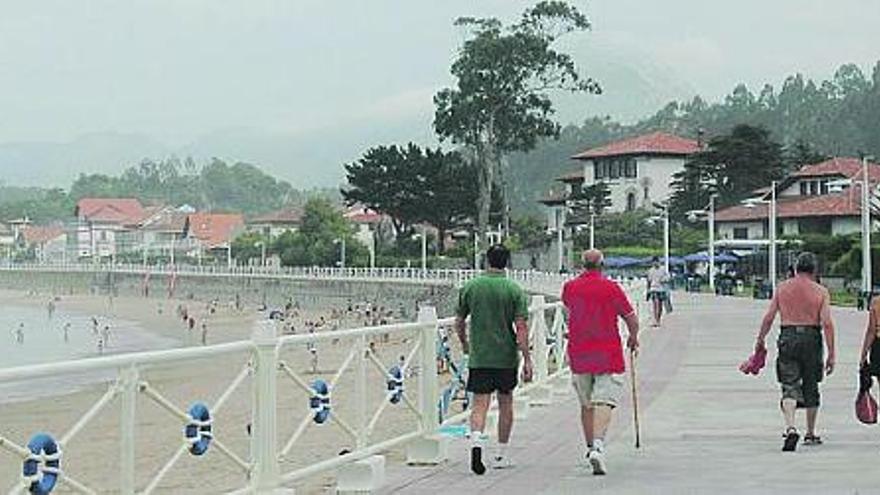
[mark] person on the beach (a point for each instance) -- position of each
(804, 309)
(496, 306)
(204, 332)
(19, 334)
(657, 279)
(100, 344)
(594, 303)
(50, 308)
(94, 326)
(313, 350)
(105, 335)
(66, 332)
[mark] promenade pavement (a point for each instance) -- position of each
(706, 428)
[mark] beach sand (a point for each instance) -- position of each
(91, 457)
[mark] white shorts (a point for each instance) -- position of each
(599, 389)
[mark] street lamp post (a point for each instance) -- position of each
(592, 231)
(560, 216)
(342, 254)
(712, 243)
(262, 246)
(867, 284)
(772, 251)
(666, 237)
(424, 249)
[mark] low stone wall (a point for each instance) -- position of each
(308, 293)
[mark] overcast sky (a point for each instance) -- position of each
(178, 69)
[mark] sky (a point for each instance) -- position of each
(176, 71)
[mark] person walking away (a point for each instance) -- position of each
(496, 306)
(804, 309)
(594, 303)
(657, 280)
(204, 332)
(67, 332)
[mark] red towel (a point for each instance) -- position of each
(755, 363)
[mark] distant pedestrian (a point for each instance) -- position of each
(204, 333)
(50, 308)
(19, 334)
(804, 309)
(499, 310)
(658, 277)
(105, 335)
(66, 331)
(594, 304)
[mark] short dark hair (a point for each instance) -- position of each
(498, 256)
(806, 263)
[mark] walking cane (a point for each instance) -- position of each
(635, 396)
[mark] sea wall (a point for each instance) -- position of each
(402, 296)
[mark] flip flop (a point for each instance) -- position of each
(812, 439)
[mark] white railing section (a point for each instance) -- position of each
(272, 376)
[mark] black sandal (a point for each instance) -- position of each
(791, 440)
(810, 439)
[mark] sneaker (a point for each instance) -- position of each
(477, 465)
(597, 462)
(791, 440)
(502, 462)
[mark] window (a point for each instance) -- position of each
(597, 171)
(647, 193)
(740, 233)
(630, 168)
(823, 187)
(814, 188)
(615, 169)
(630, 201)
(803, 185)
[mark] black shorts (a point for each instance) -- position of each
(488, 380)
(799, 364)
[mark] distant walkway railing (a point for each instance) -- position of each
(533, 280)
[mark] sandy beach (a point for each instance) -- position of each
(89, 457)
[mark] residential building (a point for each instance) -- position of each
(275, 223)
(164, 231)
(7, 240)
(367, 224)
(104, 226)
(824, 198)
(213, 233)
(47, 243)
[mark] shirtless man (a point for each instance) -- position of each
(805, 314)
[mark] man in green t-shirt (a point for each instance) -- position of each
(496, 306)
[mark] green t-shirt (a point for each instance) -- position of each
(493, 303)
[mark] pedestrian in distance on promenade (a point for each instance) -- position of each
(657, 278)
(498, 309)
(594, 304)
(804, 309)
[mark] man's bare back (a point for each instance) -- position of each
(801, 301)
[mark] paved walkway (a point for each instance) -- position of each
(706, 428)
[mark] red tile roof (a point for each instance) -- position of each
(657, 143)
(843, 204)
(576, 176)
(214, 229)
(282, 216)
(39, 235)
(847, 167)
(122, 211)
(360, 214)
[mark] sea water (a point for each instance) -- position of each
(44, 342)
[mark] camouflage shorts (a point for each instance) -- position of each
(799, 364)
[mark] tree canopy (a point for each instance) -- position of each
(501, 102)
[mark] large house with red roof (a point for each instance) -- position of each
(102, 225)
(213, 232)
(823, 198)
(638, 171)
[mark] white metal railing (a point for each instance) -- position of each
(264, 468)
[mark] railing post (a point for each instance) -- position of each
(264, 451)
(431, 447)
(128, 381)
(541, 393)
(361, 392)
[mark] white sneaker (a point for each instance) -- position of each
(597, 461)
(501, 462)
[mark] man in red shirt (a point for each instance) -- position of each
(594, 304)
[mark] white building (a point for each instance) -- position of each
(638, 172)
(275, 223)
(824, 198)
(105, 225)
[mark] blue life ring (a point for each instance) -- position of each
(42, 467)
(395, 384)
(319, 402)
(198, 431)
